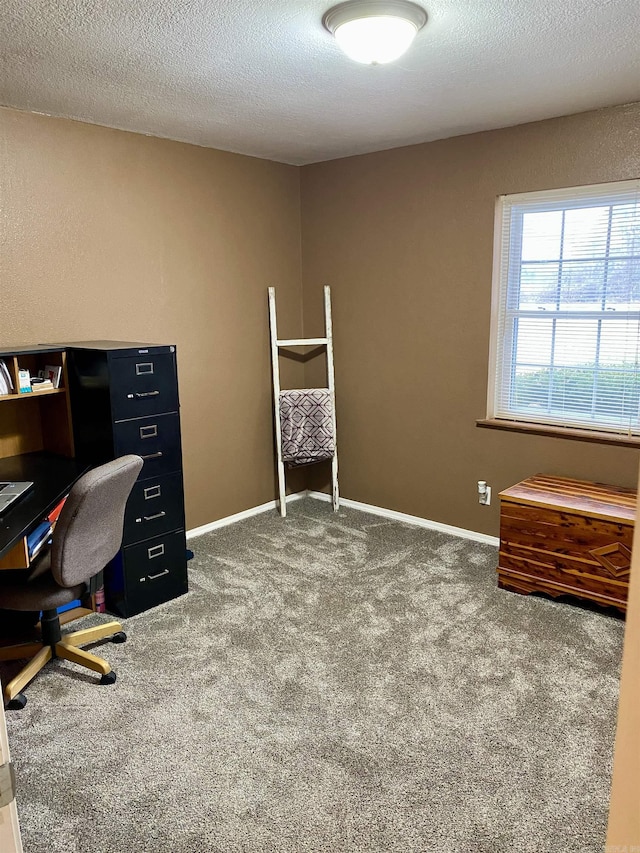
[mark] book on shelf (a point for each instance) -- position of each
(53, 372)
(38, 384)
(6, 382)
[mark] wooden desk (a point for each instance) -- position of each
(52, 476)
(567, 537)
(36, 443)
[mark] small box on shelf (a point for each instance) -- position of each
(24, 381)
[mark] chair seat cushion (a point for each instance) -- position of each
(40, 566)
(43, 593)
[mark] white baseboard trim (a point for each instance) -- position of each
(238, 516)
(462, 532)
(393, 514)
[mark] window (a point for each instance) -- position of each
(565, 339)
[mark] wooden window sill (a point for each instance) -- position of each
(561, 432)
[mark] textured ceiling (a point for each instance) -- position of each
(264, 77)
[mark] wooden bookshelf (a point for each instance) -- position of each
(36, 420)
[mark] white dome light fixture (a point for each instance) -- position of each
(375, 32)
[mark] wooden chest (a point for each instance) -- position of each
(567, 537)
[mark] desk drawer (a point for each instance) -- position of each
(147, 574)
(155, 506)
(156, 439)
(143, 385)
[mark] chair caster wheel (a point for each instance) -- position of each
(120, 637)
(17, 703)
(108, 678)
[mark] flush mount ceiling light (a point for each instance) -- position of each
(375, 31)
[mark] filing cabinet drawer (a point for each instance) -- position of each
(155, 506)
(156, 439)
(147, 574)
(143, 385)
(124, 399)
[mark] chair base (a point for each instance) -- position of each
(66, 648)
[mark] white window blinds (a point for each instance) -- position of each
(566, 323)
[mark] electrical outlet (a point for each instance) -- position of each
(484, 493)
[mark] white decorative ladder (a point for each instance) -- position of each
(327, 341)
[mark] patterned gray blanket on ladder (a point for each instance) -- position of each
(306, 424)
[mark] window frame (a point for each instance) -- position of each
(500, 307)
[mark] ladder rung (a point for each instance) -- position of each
(302, 342)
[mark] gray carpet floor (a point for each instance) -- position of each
(330, 683)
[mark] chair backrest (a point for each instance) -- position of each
(89, 530)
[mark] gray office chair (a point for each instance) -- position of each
(87, 536)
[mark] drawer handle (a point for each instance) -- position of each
(150, 431)
(144, 367)
(155, 551)
(153, 517)
(159, 575)
(156, 455)
(140, 394)
(152, 492)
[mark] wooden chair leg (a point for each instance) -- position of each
(19, 651)
(91, 635)
(81, 657)
(28, 673)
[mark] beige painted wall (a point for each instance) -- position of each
(114, 235)
(405, 238)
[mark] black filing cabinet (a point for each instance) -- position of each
(124, 399)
